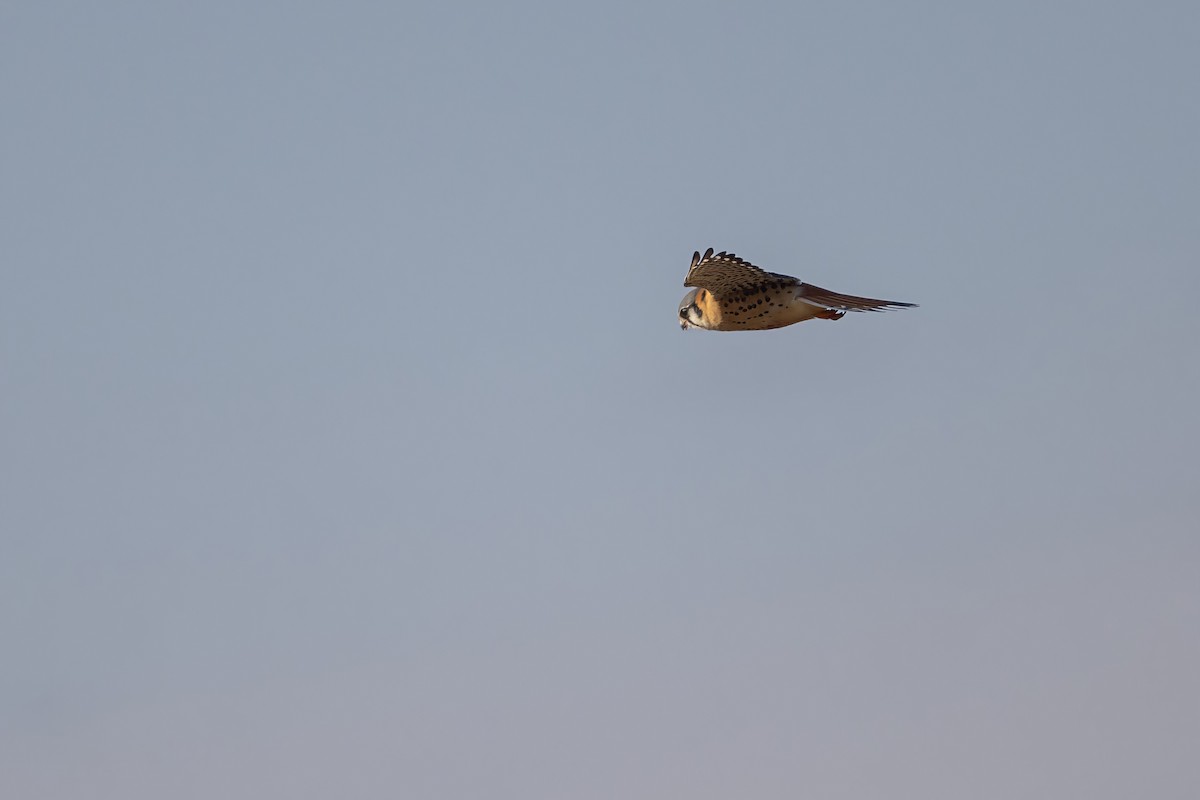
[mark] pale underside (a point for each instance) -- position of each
(771, 309)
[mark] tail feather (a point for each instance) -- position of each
(847, 302)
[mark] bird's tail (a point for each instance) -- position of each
(847, 302)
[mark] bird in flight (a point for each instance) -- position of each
(732, 294)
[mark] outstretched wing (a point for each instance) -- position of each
(724, 274)
(846, 302)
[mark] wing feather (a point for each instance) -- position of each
(725, 274)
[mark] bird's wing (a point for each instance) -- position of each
(724, 274)
(846, 302)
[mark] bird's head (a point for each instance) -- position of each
(689, 313)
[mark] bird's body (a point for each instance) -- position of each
(732, 294)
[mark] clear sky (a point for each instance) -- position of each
(349, 446)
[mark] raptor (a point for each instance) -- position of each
(731, 294)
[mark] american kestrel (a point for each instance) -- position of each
(734, 295)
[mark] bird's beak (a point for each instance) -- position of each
(683, 326)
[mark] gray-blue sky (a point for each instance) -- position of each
(349, 444)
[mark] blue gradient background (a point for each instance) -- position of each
(349, 446)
